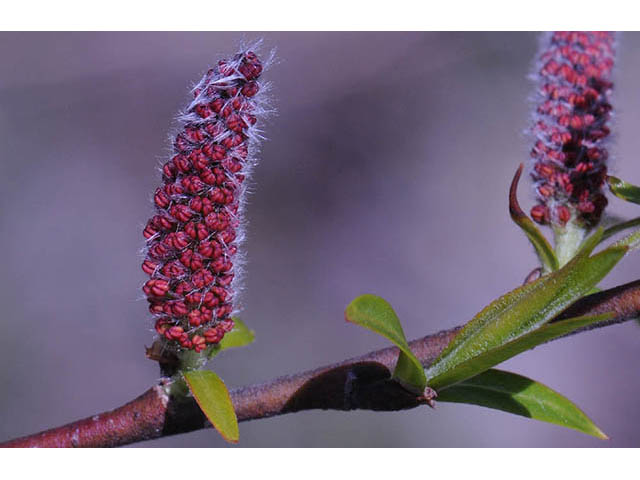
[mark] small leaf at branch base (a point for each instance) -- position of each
(240, 336)
(521, 396)
(376, 314)
(625, 191)
(541, 245)
(213, 398)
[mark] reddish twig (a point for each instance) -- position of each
(359, 383)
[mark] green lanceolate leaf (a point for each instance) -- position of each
(521, 396)
(625, 191)
(525, 309)
(376, 314)
(545, 253)
(631, 241)
(611, 231)
(240, 336)
(213, 398)
(490, 358)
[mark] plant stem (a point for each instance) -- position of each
(359, 383)
(567, 241)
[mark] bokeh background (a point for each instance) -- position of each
(385, 171)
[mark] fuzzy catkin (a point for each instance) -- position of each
(571, 126)
(192, 240)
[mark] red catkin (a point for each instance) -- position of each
(192, 238)
(570, 127)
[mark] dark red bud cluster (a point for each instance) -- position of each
(570, 127)
(192, 238)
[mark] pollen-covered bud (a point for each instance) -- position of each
(571, 125)
(192, 240)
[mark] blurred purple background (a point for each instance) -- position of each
(386, 171)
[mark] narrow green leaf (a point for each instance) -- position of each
(240, 336)
(526, 308)
(625, 191)
(545, 253)
(631, 241)
(490, 358)
(521, 396)
(376, 314)
(590, 243)
(213, 398)
(611, 231)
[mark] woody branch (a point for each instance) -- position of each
(358, 383)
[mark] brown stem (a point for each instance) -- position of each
(359, 383)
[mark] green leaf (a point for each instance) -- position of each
(631, 241)
(545, 253)
(213, 398)
(490, 358)
(609, 232)
(240, 336)
(625, 191)
(521, 396)
(525, 309)
(376, 314)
